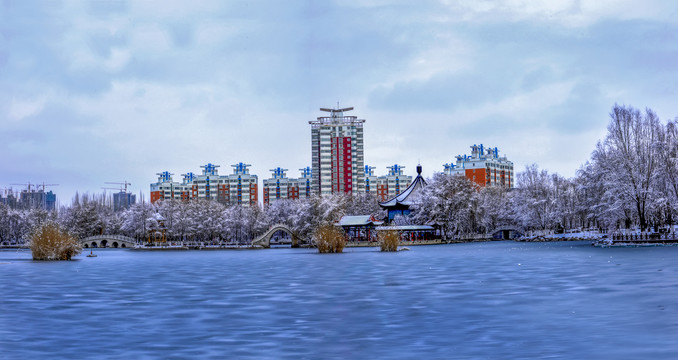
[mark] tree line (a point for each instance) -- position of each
(630, 181)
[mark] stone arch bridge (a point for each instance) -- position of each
(112, 241)
(265, 239)
(507, 232)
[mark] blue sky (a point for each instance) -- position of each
(113, 90)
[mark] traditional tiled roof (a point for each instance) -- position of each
(359, 220)
(156, 217)
(406, 228)
(405, 197)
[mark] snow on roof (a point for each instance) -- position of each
(406, 227)
(358, 220)
(404, 197)
(156, 217)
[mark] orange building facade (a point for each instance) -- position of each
(484, 167)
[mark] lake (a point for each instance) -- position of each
(488, 300)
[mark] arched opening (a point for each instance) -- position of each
(123, 245)
(115, 244)
(86, 246)
(94, 244)
(103, 243)
(280, 238)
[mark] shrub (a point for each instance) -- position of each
(329, 239)
(49, 242)
(389, 240)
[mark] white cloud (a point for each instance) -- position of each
(19, 109)
(127, 91)
(569, 13)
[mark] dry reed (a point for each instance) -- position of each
(389, 240)
(329, 239)
(49, 242)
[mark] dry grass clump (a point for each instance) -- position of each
(49, 242)
(329, 239)
(389, 240)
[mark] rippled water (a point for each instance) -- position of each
(497, 300)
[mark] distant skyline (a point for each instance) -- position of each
(111, 91)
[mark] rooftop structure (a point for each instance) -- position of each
(280, 187)
(371, 180)
(305, 182)
(166, 188)
(386, 186)
(237, 188)
(337, 153)
(242, 186)
(484, 167)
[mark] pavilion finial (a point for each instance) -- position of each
(419, 169)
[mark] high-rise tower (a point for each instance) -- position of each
(338, 154)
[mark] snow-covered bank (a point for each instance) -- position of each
(574, 236)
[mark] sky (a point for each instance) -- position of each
(112, 91)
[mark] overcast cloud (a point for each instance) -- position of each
(112, 90)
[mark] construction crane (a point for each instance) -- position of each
(124, 183)
(44, 185)
(28, 185)
(36, 186)
(36, 196)
(110, 188)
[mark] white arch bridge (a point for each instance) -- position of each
(113, 241)
(265, 239)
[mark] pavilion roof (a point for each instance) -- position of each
(405, 228)
(405, 198)
(359, 220)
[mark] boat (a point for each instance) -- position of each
(91, 254)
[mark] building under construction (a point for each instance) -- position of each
(30, 198)
(122, 199)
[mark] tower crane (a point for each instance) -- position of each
(28, 185)
(44, 185)
(110, 188)
(124, 183)
(36, 186)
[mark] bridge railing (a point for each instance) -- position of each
(109, 237)
(275, 228)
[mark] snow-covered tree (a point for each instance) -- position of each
(492, 208)
(629, 161)
(134, 220)
(445, 201)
